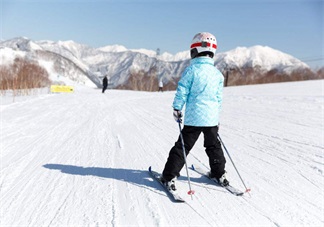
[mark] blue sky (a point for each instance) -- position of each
(295, 27)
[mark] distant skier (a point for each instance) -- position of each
(161, 86)
(104, 84)
(200, 89)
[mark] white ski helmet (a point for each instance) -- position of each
(203, 43)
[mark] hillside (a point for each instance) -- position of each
(87, 65)
(81, 159)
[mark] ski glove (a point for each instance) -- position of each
(177, 114)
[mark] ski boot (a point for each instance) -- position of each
(222, 180)
(170, 185)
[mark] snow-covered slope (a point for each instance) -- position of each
(8, 55)
(81, 159)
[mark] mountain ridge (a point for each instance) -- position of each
(117, 62)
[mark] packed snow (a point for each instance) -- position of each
(81, 159)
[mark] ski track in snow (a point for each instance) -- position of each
(81, 159)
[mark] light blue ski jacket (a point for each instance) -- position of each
(200, 89)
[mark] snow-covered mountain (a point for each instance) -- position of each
(259, 56)
(60, 59)
(89, 65)
(181, 56)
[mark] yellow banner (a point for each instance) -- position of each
(62, 88)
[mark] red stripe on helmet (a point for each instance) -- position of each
(200, 44)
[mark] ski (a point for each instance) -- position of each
(172, 195)
(229, 188)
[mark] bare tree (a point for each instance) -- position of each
(22, 76)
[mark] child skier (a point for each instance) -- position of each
(200, 89)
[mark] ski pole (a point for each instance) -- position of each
(190, 192)
(246, 189)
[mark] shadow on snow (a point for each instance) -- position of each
(139, 178)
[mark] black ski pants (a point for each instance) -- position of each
(190, 135)
(104, 88)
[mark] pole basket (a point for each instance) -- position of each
(191, 192)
